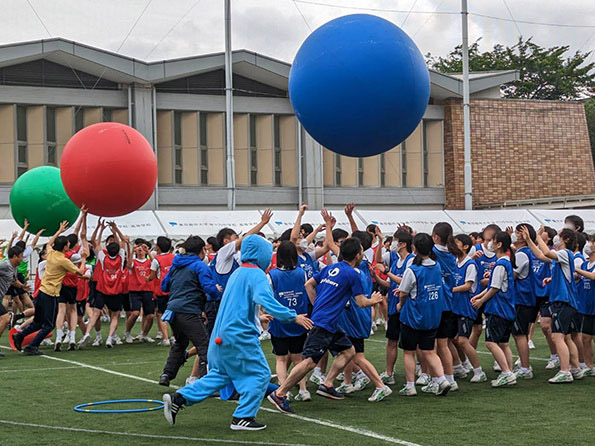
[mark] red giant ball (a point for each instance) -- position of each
(110, 168)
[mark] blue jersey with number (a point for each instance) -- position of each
(484, 264)
(221, 279)
(425, 311)
(525, 288)
(448, 264)
(397, 271)
(502, 303)
(562, 289)
(586, 292)
(541, 271)
(309, 265)
(290, 291)
(462, 301)
(356, 321)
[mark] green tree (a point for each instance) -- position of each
(544, 73)
(590, 112)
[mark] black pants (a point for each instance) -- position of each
(187, 328)
(46, 310)
(211, 310)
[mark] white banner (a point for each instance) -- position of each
(419, 221)
(475, 221)
(554, 218)
(135, 224)
(284, 220)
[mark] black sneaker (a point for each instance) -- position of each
(32, 351)
(246, 424)
(172, 404)
(164, 380)
(329, 392)
(57, 346)
(72, 346)
(2, 355)
(281, 403)
(17, 341)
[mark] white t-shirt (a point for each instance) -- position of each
(522, 265)
(578, 262)
(225, 258)
(470, 273)
(500, 277)
(369, 255)
(101, 256)
(409, 282)
(26, 253)
(41, 269)
(564, 262)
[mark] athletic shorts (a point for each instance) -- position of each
(563, 318)
(80, 307)
(162, 304)
(479, 319)
(3, 310)
(92, 293)
(465, 326)
(13, 291)
(411, 338)
(525, 316)
(112, 301)
(320, 340)
(498, 329)
(142, 299)
(588, 326)
(67, 295)
(544, 306)
(358, 344)
(393, 331)
(578, 322)
(125, 298)
(285, 346)
(449, 326)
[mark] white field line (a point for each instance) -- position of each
(326, 423)
(117, 364)
(141, 435)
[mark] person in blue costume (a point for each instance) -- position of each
(234, 354)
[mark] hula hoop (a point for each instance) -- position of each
(82, 407)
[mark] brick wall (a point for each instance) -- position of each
(520, 150)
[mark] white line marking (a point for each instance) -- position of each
(117, 364)
(134, 434)
(326, 423)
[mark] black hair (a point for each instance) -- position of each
(551, 233)
(466, 241)
(72, 240)
(581, 240)
(493, 227)
(504, 238)
(21, 244)
(261, 234)
(112, 249)
(223, 234)
(404, 236)
(474, 235)
(532, 233)
(350, 248)
(371, 228)
(286, 235)
(287, 256)
(388, 239)
(164, 243)
(423, 244)
(364, 237)
(110, 236)
(444, 232)
(577, 221)
(15, 251)
(194, 245)
(213, 242)
(569, 237)
(60, 242)
(307, 228)
(339, 234)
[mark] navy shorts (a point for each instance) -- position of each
(465, 326)
(67, 295)
(142, 299)
(543, 303)
(358, 344)
(479, 319)
(498, 329)
(125, 299)
(563, 318)
(112, 301)
(92, 293)
(285, 346)
(393, 330)
(411, 339)
(320, 340)
(162, 304)
(80, 307)
(449, 326)
(525, 316)
(588, 326)
(3, 310)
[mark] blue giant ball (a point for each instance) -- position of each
(359, 85)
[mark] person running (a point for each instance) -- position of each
(160, 266)
(8, 278)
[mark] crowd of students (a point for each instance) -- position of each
(433, 294)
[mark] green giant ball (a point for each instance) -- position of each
(39, 196)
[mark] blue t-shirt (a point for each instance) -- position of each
(308, 264)
(336, 285)
(356, 321)
(289, 291)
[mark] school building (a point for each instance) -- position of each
(525, 153)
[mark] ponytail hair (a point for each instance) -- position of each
(424, 247)
(504, 238)
(466, 241)
(443, 231)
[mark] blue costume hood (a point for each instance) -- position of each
(258, 251)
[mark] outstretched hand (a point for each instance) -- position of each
(302, 319)
(376, 298)
(266, 216)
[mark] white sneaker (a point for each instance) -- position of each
(117, 340)
(46, 342)
(503, 379)
(345, 389)
(423, 380)
(104, 318)
(553, 363)
(454, 386)
(531, 345)
(109, 343)
(265, 336)
(361, 383)
(341, 377)
(387, 379)
(317, 378)
(303, 395)
(432, 387)
(191, 379)
(496, 367)
(374, 326)
(479, 377)
(517, 363)
(459, 372)
(85, 341)
(148, 339)
(66, 339)
(128, 339)
(380, 394)
(561, 378)
(159, 335)
(520, 374)
(408, 391)
(468, 366)
(164, 343)
(577, 373)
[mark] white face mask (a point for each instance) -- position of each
(557, 241)
(394, 247)
(303, 244)
(153, 253)
(491, 246)
(570, 226)
(513, 238)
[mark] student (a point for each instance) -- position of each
(579, 260)
(586, 291)
(160, 266)
(8, 277)
(421, 304)
(397, 259)
(46, 303)
(288, 283)
(329, 291)
(140, 290)
(574, 223)
(563, 300)
(307, 258)
(525, 301)
(499, 300)
(40, 269)
(446, 251)
(465, 287)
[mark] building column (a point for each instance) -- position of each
(313, 189)
(142, 120)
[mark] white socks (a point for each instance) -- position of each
(59, 335)
(72, 335)
(450, 378)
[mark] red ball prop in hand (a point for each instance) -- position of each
(218, 341)
(110, 168)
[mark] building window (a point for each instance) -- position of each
(277, 148)
(50, 136)
(178, 148)
(107, 115)
(424, 148)
(337, 170)
(22, 158)
(253, 152)
(382, 170)
(204, 151)
(79, 121)
(404, 164)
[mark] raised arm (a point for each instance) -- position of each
(97, 246)
(264, 220)
(349, 208)
(295, 231)
(36, 238)
(79, 222)
(60, 230)
(378, 254)
(24, 230)
(538, 250)
(329, 222)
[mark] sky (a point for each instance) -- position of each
(178, 28)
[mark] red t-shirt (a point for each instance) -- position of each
(110, 281)
(141, 270)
